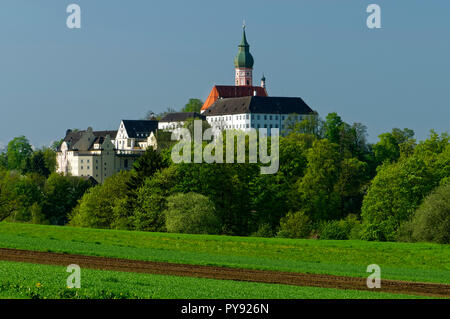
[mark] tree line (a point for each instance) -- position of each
(331, 184)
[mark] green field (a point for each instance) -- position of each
(21, 280)
(403, 261)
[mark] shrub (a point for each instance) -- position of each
(431, 221)
(295, 225)
(343, 229)
(191, 213)
(264, 230)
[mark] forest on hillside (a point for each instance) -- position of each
(331, 184)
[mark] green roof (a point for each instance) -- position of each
(244, 59)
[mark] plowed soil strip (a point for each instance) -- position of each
(223, 273)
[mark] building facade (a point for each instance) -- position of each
(256, 112)
(136, 135)
(173, 121)
(101, 154)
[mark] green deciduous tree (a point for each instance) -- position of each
(151, 200)
(191, 213)
(19, 149)
(390, 144)
(193, 105)
(227, 186)
(316, 194)
(399, 187)
(431, 221)
(104, 206)
(9, 201)
(36, 164)
(147, 165)
(61, 194)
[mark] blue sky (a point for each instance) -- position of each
(133, 56)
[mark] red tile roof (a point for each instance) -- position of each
(228, 91)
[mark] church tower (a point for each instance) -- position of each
(243, 63)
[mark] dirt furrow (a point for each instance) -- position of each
(225, 273)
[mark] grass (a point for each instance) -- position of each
(403, 261)
(22, 280)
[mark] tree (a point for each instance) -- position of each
(389, 146)
(191, 213)
(194, 105)
(104, 206)
(61, 195)
(3, 160)
(151, 200)
(272, 194)
(28, 193)
(190, 124)
(57, 144)
(399, 187)
(19, 149)
(18, 194)
(9, 201)
(293, 151)
(333, 125)
(431, 221)
(147, 165)
(36, 164)
(352, 176)
(227, 186)
(312, 125)
(316, 194)
(49, 159)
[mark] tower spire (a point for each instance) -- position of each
(243, 62)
